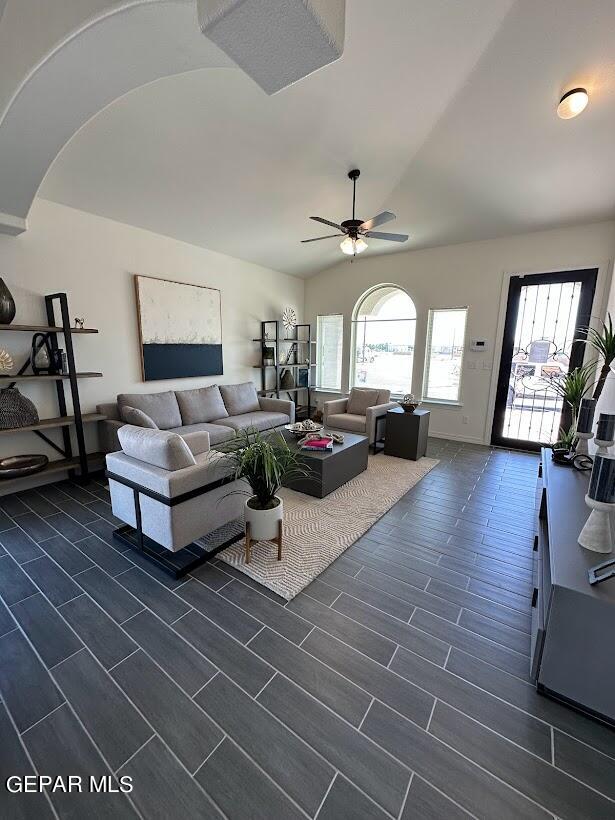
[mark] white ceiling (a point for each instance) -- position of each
(448, 109)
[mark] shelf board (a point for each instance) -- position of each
(61, 465)
(287, 366)
(46, 329)
(54, 377)
(49, 424)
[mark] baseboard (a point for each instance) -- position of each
(464, 439)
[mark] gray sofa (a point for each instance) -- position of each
(220, 411)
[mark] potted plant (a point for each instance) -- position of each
(565, 443)
(264, 461)
(603, 342)
(572, 387)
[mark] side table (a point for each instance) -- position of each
(406, 433)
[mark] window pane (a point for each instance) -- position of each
(329, 335)
(387, 302)
(383, 331)
(445, 343)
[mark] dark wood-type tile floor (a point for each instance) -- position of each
(395, 686)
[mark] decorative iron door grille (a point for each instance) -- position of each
(545, 316)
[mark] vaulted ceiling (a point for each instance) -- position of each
(448, 109)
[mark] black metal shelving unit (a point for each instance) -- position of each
(304, 351)
(69, 460)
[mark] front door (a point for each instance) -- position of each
(545, 315)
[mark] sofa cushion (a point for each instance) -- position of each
(347, 421)
(384, 396)
(201, 405)
(158, 447)
(260, 420)
(239, 398)
(132, 415)
(360, 399)
(162, 408)
(198, 442)
(217, 432)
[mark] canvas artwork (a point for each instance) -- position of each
(180, 327)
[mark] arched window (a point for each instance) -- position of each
(383, 328)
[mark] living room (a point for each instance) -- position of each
(292, 527)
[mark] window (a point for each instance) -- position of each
(329, 331)
(444, 356)
(383, 328)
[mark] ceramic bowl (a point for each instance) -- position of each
(18, 466)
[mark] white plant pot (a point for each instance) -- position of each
(264, 524)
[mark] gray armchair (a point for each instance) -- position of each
(170, 491)
(358, 412)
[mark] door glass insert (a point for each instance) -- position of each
(544, 334)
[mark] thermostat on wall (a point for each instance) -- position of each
(480, 345)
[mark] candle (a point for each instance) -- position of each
(602, 481)
(586, 415)
(606, 427)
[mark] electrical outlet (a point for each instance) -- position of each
(465, 419)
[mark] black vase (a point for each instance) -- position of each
(7, 304)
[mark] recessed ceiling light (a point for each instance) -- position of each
(572, 103)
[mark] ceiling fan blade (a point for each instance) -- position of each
(392, 237)
(318, 238)
(385, 216)
(328, 222)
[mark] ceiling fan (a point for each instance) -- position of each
(354, 230)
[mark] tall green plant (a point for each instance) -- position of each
(574, 386)
(603, 342)
(264, 461)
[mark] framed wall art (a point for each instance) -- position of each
(180, 327)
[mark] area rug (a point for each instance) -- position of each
(319, 530)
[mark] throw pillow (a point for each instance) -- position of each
(360, 399)
(131, 415)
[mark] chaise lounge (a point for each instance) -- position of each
(219, 410)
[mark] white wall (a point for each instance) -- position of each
(474, 274)
(93, 260)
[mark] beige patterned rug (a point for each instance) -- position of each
(318, 530)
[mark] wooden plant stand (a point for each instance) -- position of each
(249, 540)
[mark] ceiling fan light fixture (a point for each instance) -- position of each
(352, 246)
(572, 103)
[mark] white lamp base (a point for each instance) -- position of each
(597, 534)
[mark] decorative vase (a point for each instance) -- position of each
(287, 380)
(7, 304)
(264, 524)
(16, 410)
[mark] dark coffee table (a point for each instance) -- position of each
(330, 469)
